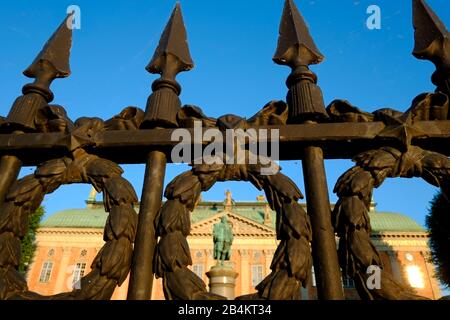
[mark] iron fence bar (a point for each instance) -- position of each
(297, 49)
(126, 147)
(171, 57)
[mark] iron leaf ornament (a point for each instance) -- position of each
(111, 265)
(291, 265)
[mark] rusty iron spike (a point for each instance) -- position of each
(428, 28)
(432, 42)
(295, 44)
(174, 42)
(56, 52)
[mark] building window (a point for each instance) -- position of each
(348, 282)
(415, 277)
(198, 270)
(46, 272)
(313, 277)
(78, 273)
(256, 255)
(409, 257)
(257, 274)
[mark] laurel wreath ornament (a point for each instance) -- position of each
(112, 263)
(351, 219)
(292, 261)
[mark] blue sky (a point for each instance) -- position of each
(232, 43)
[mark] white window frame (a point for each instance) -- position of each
(78, 272)
(198, 269)
(313, 277)
(257, 274)
(46, 272)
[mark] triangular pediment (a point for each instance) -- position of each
(242, 227)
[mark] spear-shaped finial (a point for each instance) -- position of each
(171, 57)
(297, 49)
(56, 52)
(432, 42)
(295, 44)
(173, 41)
(51, 63)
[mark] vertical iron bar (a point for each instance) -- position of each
(297, 49)
(326, 264)
(141, 278)
(171, 57)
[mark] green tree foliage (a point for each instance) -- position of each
(438, 224)
(29, 241)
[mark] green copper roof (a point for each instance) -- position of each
(77, 218)
(96, 218)
(387, 221)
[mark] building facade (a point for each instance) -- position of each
(68, 241)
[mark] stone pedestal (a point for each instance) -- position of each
(222, 281)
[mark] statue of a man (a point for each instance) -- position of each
(223, 238)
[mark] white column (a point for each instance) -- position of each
(245, 271)
(396, 272)
(64, 272)
(209, 259)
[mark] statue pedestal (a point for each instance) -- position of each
(222, 281)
